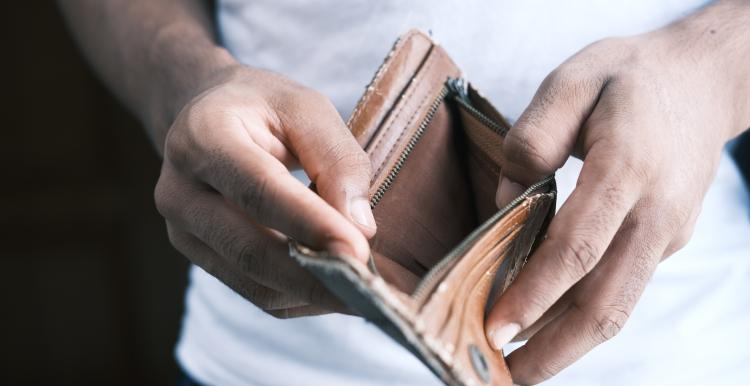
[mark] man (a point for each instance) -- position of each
(649, 113)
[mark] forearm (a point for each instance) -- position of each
(154, 55)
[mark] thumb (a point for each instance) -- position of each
(545, 134)
(334, 160)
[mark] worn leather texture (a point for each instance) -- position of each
(443, 249)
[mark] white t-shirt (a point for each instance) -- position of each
(692, 325)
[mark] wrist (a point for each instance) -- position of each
(185, 67)
(713, 45)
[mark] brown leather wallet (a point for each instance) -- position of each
(442, 246)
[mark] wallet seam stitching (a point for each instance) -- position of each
(398, 113)
(387, 62)
(411, 91)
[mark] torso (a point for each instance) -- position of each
(506, 48)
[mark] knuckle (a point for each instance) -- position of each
(174, 237)
(634, 55)
(607, 44)
(679, 216)
(315, 97)
(615, 198)
(255, 195)
(164, 198)
(248, 256)
(679, 225)
(177, 142)
(524, 147)
(536, 302)
(679, 242)
(683, 237)
(344, 154)
(573, 80)
(616, 49)
(184, 137)
(201, 219)
(232, 246)
(240, 250)
(174, 150)
(674, 217)
(544, 370)
(607, 322)
(344, 160)
(562, 79)
(263, 297)
(193, 115)
(304, 101)
(577, 257)
(612, 191)
(631, 167)
(196, 142)
(357, 158)
(269, 299)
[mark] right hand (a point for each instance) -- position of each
(230, 201)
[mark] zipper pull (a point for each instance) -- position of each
(459, 89)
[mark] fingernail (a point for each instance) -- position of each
(503, 335)
(507, 190)
(361, 213)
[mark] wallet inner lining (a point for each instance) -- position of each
(443, 191)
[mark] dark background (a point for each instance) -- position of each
(90, 289)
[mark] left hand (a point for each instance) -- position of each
(649, 115)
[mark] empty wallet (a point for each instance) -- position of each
(443, 249)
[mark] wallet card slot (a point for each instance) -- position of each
(430, 280)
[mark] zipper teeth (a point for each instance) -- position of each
(396, 169)
(492, 125)
(436, 272)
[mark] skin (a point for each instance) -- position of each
(228, 134)
(649, 115)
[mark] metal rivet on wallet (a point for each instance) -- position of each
(480, 363)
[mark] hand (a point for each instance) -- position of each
(649, 115)
(230, 202)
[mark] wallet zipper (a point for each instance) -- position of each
(438, 271)
(401, 160)
(455, 87)
(459, 89)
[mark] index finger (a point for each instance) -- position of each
(263, 188)
(576, 240)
